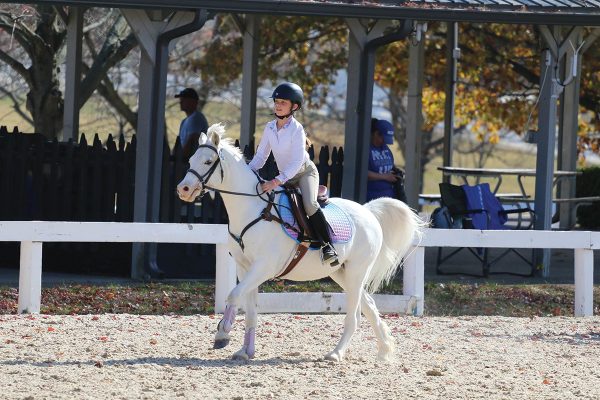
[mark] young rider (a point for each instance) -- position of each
(285, 137)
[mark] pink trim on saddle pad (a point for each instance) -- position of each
(340, 223)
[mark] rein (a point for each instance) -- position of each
(265, 213)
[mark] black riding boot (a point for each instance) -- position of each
(321, 231)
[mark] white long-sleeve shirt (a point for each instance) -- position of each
(288, 147)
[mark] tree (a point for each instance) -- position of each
(498, 84)
(306, 50)
(40, 33)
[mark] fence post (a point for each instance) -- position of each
(225, 276)
(30, 277)
(414, 276)
(584, 282)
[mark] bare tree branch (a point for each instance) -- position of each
(16, 105)
(90, 44)
(102, 21)
(21, 33)
(17, 66)
(113, 51)
(107, 90)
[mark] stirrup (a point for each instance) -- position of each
(332, 260)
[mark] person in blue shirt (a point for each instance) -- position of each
(381, 176)
(193, 124)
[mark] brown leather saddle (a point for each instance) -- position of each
(295, 197)
(306, 238)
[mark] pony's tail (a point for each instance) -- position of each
(400, 225)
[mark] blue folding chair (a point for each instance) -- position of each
(476, 207)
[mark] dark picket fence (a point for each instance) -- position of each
(67, 181)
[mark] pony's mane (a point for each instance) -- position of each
(226, 142)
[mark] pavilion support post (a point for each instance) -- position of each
(142, 159)
(567, 142)
(568, 126)
(361, 64)
(359, 100)
(72, 74)
(414, 122)
(550, 90)
(546, 144)
(452, 56)
(155, 31)
(251, 31)
(352, 129)
(546, 141)
(360, 86)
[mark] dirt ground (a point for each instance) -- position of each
(151, 357)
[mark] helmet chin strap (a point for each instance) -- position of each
(284, 116)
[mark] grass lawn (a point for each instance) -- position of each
(447, 299)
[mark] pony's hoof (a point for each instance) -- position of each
(333, 356)
(240, 357)
(221, 343)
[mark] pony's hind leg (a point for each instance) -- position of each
(385, 340)
(351, 321)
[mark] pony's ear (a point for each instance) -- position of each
(215, 132)
(203, 138)
(215, 138)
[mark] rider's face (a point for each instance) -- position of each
(282, 106)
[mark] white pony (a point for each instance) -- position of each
(383, 232)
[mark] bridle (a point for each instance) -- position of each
(264, 215)
(206, 176)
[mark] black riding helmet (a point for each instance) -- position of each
(289, 91)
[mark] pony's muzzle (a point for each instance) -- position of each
(186, 192)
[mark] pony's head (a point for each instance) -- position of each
(205, 164)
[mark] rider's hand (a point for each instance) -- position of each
(270, 185)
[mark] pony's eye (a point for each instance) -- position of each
(208, 162)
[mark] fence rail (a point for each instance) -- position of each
(582, 242)
(32, 234)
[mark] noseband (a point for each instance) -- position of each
(205, 178)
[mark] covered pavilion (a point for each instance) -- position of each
(157, 23)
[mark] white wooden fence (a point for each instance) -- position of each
(582, 242)
(32, 234)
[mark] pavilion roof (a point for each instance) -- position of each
(545, 12)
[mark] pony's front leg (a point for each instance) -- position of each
(253, 278)
(248, 349)
(224, 327)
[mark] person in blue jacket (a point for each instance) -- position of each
(381, 176)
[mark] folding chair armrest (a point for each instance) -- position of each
(521, 211)
(474, 211)
(517, 211)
